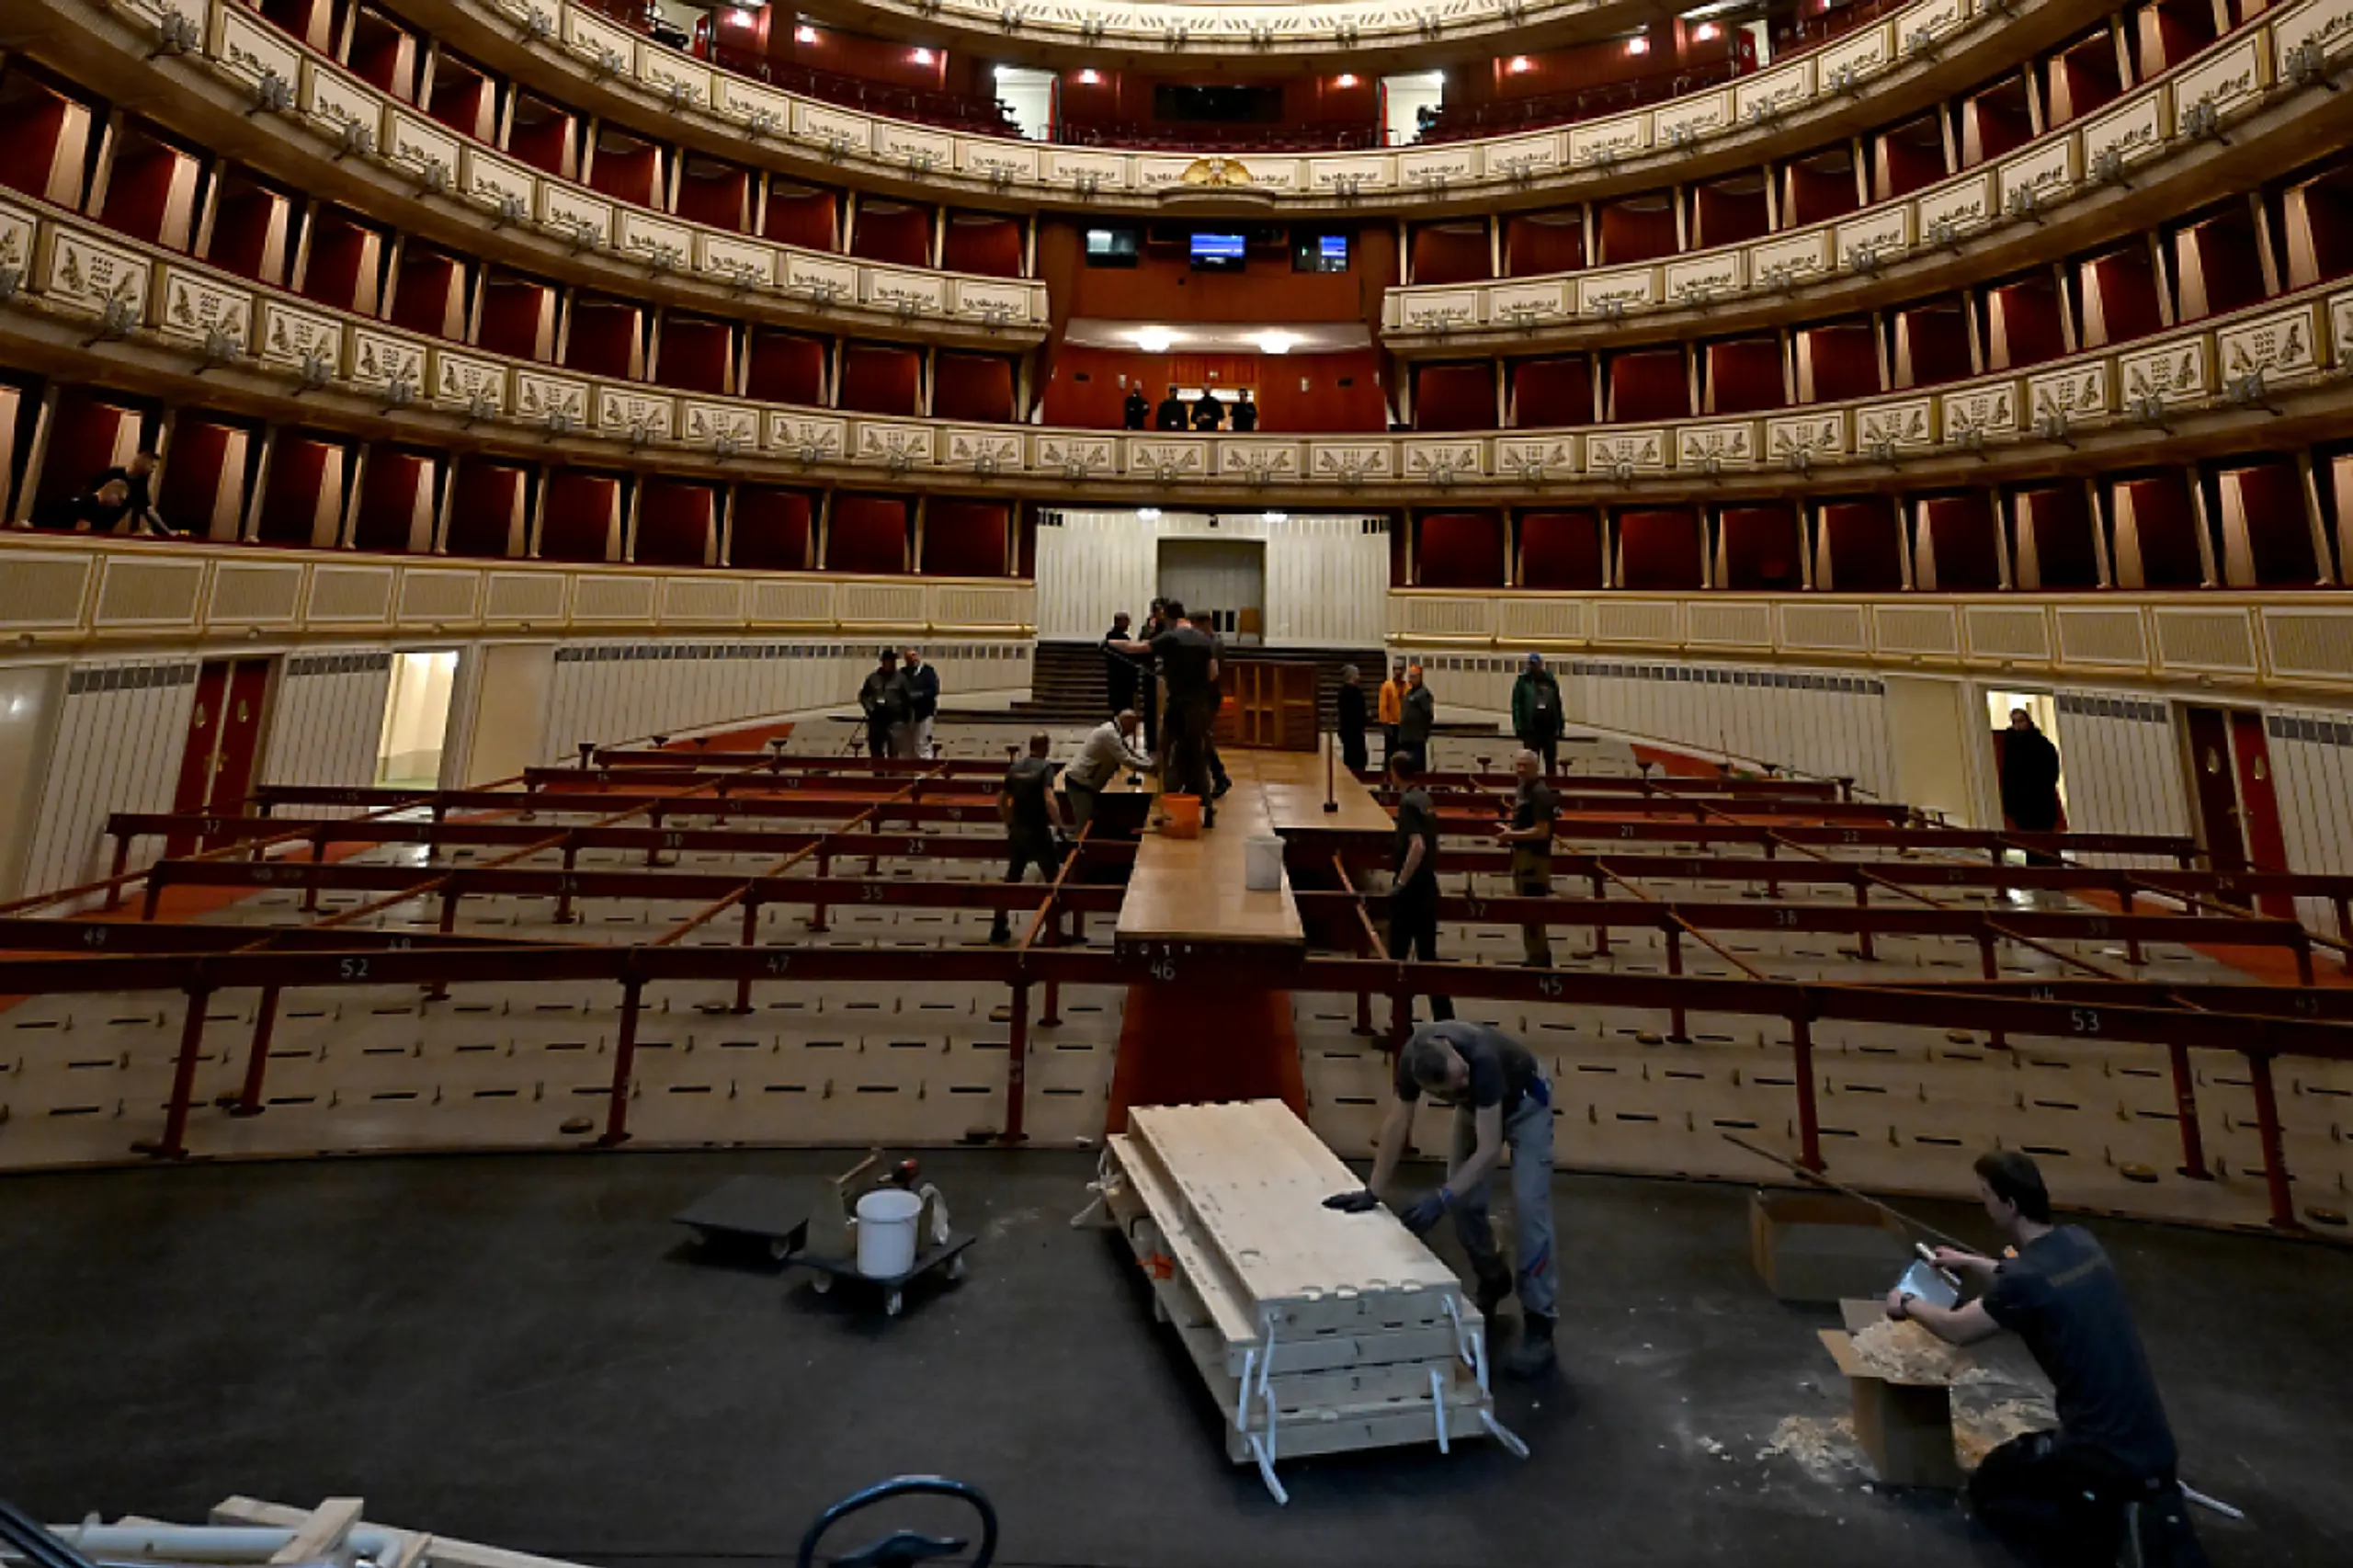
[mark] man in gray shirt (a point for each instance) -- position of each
(1420, 718)
(1108, 748)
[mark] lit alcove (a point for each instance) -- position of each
(416, 719)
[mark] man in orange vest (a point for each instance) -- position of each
(1392, 712)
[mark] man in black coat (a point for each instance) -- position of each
(2030, 782)
(1171, 413)
(1209, 414)
(1246, 414)
(1351, 721)
(1136, 413)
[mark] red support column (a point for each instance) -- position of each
(2275, 1151)
(173, 1145)
(1808, 1118)
(751, 937)
(1017, 1065)
(2184, 1107)
(1863, 948)
(624, 1059)
(1676, 1017)
(257, 1059)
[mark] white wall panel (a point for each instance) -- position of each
(327, 718)
(1326, 577)
(2311, 762)
(118, 749)
(2121, 768)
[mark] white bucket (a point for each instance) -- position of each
(1262, 864)
(886, 1233)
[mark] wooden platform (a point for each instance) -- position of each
(1193, 889)
(1316, 1331)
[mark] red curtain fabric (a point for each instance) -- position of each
(1865, 549)
(787, 367)
(880, 378)
(965, 539)
(1820, 189)
(1932, 345)
(2023, 326)
(674, 522)
(798, 215)
(81, 445)
(2059, 520)
(1658, 551)
(714, 193)
(773, 529)
(2165, 523)
(2119, 297)
(1461, 550)
(605, 339)
(486, 503)
(1634, 227)
(977, 387)
(1761, 550)
(1649, 383)
(517, 318)
(1560, 550)
(1451, 253)
(1548, 394)
(1840, 360)
(1729, 212)
(1745, 376)
(982, 243)
(429, 295)
(1454, 397)
(697, 354)
(869, 534)
(891, 232)
(396, 508)
(626, 171)
(583, 516)
(1961, 531)
(1537, 242)
(298, 476)
(2269, 497)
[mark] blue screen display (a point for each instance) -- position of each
(1217, 248)
(1333, 248)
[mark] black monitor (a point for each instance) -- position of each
(1213, 252)
(1111, 247)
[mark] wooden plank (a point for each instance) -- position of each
(1192, 890)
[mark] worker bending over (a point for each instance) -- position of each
(1108, 748)
(1500, 1097)
(2064, 1497)
(1033, 823)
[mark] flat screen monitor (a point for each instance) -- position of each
(1218, 253)
(1110, 248)
(1320, 253)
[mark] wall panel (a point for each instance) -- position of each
(117, 749)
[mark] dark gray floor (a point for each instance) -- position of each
(520, 1351)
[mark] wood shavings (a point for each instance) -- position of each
(1989, 1409)
(1905, 1352)
(1825, 1451)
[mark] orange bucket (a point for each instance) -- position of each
(1184, 817)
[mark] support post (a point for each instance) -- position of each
(439, 990)
(1992, 968)
(624, 1059)
(563, 910)
(817, 912)
(1049, 1016)
(2275, 1151)
(173, 1145)
(1675, 1018)
(257, 1059)
(1863, 948)
(2185, 1108)
(1017, 1065)
(751, 939)
(1809, 1118)
(1600, 930)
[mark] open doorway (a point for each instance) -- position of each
(416, 719)
(2043, 709)
(1226, 578)
(1408, 103)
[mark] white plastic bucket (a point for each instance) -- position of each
(1262, 864)
(886, 1233)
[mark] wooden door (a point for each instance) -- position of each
(1269, 705)
(199, 750)
(2266, 845)
(241, 726)
(2214, 782)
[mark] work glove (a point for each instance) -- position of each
(1358, 1202)
(1426, 1210)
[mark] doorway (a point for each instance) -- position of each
(1408, 102)
(416, 720)
(223, 745)
(1226, 578)
(2043, 709)
(2239, 808)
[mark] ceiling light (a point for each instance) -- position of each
(1519, 65)
(922, 57)
(1343, 80)
(1275, 342)
(1277, 517)
(1088, 78)
(804, 34)
(1150, 514)
(1154, 339)
(1705, 32)
(1638, 46)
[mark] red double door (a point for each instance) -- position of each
(2238, 804)
(224, 745)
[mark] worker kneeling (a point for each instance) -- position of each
(1500, 1097)
(2065, 1498)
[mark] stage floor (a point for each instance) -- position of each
(523, 1350)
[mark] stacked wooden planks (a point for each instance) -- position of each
(1318, 1331)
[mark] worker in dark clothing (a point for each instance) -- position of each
(1246, 414)
(1118, 670)
(1032, 815)
(883, 697)
(914, 737)
(1136, 412)
(1536, 713)
(1413, 895)
(140, 516)
(2067, 1496)
(1350, 705)
(1205, 622)
(1530, 835)
(1417, 719)
(1209, 414)
(96, 510)
(1189, 670)
(1171, 415)
(1155, 622)
(1500, 1098)
(2030, 782)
